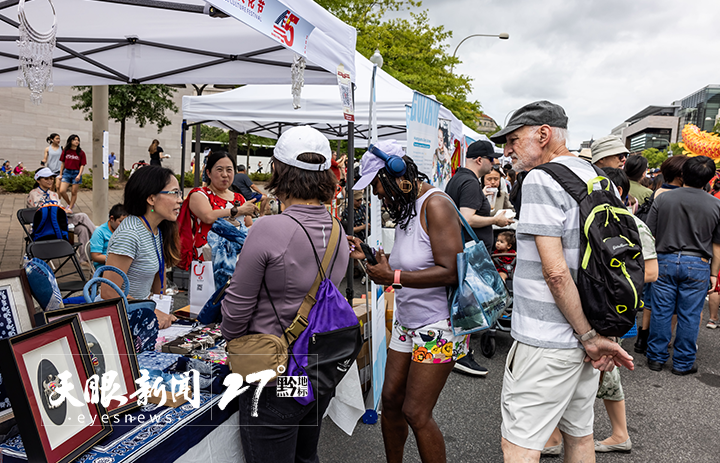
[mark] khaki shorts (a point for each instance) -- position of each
(545, 388)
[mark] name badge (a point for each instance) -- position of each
(163, 303)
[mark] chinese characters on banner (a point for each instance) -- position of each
(346, 96)
(272, 18)
(422, 136)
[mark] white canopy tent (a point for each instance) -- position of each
(265, 109)
(110, 42)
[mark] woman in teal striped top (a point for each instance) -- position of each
(147, 242)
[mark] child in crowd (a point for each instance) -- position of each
(101, 236)
(505, 244)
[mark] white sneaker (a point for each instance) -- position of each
(712, 324)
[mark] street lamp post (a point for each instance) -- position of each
(667, 144)
(502, 36)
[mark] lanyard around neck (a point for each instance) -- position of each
(160, 255)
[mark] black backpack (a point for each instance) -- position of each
(611, 273)
(644, 210)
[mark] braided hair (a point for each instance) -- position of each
(402, 205)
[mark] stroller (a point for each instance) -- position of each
(487, 339)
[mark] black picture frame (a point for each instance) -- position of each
(48, 431)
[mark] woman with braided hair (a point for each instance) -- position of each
(423, 349)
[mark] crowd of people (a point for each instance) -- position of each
(557, 365)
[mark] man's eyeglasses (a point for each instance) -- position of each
(177, 193)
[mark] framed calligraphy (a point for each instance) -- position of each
(16, 316)
(112, 353)
(45, 371)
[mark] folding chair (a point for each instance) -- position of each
(25, 217)
(60, 249)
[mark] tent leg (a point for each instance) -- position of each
(182, 160)
(349, 182)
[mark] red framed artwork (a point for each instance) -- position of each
(107, 334)
(45, 371)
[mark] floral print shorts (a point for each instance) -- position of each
(434, 343)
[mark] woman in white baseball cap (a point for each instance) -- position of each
(43, 195)
(276, 253)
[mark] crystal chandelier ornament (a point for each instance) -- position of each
(35, 51)
(297, 71)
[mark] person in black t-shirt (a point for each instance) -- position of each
(244, 185)
(465, 189)
(686, 225)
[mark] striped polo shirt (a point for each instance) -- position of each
(133, 239)
(547, 210)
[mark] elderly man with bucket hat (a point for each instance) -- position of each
(551, 373)
(609, 152)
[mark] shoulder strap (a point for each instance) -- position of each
(466, 226)
(301, 319)
(567, 179)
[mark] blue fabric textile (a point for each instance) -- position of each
(680, 289)
(226, 242)
(43, 285)
(143, 324)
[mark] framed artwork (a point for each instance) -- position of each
(39, 368)
(107, 334)
(16, 316)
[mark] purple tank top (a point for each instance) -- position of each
(416, 307)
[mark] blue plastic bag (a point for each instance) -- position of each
(481, 296)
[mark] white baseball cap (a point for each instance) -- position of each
(299, 140)
(44, 173)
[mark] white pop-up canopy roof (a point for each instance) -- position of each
(110, 42)
(265, 109)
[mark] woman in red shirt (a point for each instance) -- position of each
(205, 205)
(72, 163)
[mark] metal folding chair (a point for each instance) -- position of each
(60, 249)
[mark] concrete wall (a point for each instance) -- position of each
(654, 122)
(25, 126)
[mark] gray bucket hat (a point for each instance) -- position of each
(537, 113)
(607, 146)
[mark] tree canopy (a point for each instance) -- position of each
(413, 51)
(142, 103)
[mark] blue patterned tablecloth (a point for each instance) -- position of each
(151, 433)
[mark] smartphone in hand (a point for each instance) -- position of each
(369, 254)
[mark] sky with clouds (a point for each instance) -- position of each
(602, 60)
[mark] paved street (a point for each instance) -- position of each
(670, 418)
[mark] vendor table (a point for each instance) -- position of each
(160, 434)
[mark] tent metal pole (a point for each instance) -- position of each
(349, 182)
(182, 160)
(198, 167)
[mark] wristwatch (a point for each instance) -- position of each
(587, 336)
(396, 284)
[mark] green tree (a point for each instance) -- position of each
(654, 156)
(210, 133)
(413, 51)
(142, 103)
(716, 128)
